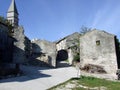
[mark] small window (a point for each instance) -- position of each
(98, 42)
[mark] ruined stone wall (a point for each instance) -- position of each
(98, 48)
(22, 46)
(44, 51)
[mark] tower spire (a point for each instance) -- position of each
(12, 14)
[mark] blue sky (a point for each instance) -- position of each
(54, 19)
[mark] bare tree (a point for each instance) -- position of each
(84, 30)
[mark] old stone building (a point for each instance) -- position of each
(24, 50)
(98, 48)
(67, 47)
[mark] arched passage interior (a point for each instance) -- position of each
(62, 55)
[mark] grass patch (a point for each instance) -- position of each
(90, 82)
(96, 82)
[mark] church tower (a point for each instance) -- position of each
(12, 14)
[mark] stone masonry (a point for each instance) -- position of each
(44, 51)
(22, 46)
(98, 48)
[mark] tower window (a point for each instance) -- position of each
(98, 42)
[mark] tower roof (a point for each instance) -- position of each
(13, 7)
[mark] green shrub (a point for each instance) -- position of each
(76, 57)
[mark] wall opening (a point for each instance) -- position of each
(98, 42)
(62, 55)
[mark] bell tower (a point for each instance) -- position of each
(12, 14)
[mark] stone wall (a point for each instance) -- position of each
(70, 44)
(44, 51)
(98, 48)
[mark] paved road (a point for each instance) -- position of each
(38, 78)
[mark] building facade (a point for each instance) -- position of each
(99, 48)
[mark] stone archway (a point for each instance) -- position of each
(62, 55)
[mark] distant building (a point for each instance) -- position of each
(99, 48)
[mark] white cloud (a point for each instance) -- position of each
(97, 18)
(108, 18)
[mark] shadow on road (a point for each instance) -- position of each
(29, 73)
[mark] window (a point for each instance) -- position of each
(98, 42)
